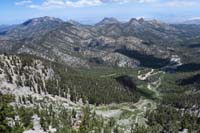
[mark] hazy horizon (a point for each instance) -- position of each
(86, 21)
(92, 11)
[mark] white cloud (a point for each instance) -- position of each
(65, 3)
(195, 18)
(180, 3)
(46, 4)
(23, 2)
(129, 1)
(49, 4)
(52, 4)
(116, 1)
(147, 1)
(82, 3)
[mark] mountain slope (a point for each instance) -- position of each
(76, 45)
(43, 96)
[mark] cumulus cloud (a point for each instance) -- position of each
(129, 1)
(82, 3)
(23, 2)
(166, 3)
(65, 3)
(194, 18)
(179, 3)
(147, 1)
(46, 4)
(49, 4)
(78, 3)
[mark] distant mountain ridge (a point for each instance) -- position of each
(193, 21)
(5, 28)
(108, 21)
(76, 44)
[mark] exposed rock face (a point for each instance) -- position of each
(120, 60)
(73, 44)
(19, 78)
(27, 79)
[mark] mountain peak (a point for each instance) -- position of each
(74, 22)
(108, 21)
(133, 21)
(141, 20)
(39, 20)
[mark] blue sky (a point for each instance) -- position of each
(90, 11)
